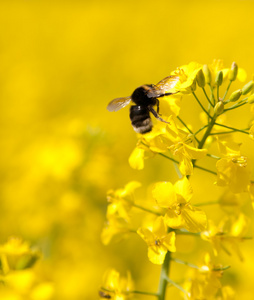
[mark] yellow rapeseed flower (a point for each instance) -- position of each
(204, 283)
(181, 144)
(187, 77)
(228, 234)
(115, 229)
(159, 241)
(120, 200)
(232, 169)
(115, 287)
(180, 213)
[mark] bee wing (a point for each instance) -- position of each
(164, 86)
(118, 103)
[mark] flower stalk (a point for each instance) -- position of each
(164, 277)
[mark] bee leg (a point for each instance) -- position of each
(156, 114)
(158, 106)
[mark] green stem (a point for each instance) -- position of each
(207, 97)
(163, 277)
(144, 293)
(200, 129)
(232, 128)
(218, 93)
(226, 90)
(226, 132)
(204, 169)
(184, 124)
(235, 106)
(146, 209)
(198, 167)
(207, 203)
(202, 142)
(179, 261)
(222, 269)
(130, 292)
(222, 132)
(177, 286)
(237, 103)
(141, 207)
(207, 133)
(211, 155)
(212, 95)
(168, 157)
(185, 232)
(201, 105)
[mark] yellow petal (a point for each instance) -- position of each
(136, 160)
(131, 186)
(240, 226)
(233, 174)
(184, 189)
(229, 148)
(157, 254)
(169, 241)
(111, 279)
(164, 193)
(172, 132)
(185, 165)
(157, 144)
(194, 218)
(228, 293)
(159, 227)
(146, 235)
(174, 220)
(251, 132)
(224, 171)
(195, 153)
(170, 105)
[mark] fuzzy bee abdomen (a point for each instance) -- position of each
(140, 119)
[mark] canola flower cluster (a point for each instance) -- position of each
(171, 213)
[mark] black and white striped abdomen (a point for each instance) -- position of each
(140, 119)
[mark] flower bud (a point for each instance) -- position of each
(207, 73)
(233, 72)
(235, 96)
(248, 87)
(201, 78)
(219, 78)
(219, 107)
(251, 99)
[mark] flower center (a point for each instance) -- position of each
(241, 161)
(182, 76)
(157, 242)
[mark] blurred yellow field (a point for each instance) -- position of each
(63, 155)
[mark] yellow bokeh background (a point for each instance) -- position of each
(61, 62)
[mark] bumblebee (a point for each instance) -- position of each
(145, 98)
